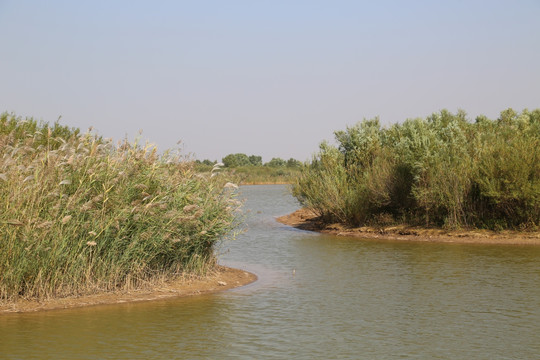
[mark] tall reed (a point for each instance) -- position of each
(443, 170)
(80, 214)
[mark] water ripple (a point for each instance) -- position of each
(317, 297)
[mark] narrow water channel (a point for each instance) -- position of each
(318, 297)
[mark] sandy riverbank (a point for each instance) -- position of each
(223, 278)
(307, 220)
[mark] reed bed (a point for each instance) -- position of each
(247, 175)
(80, 214)
(443, 171)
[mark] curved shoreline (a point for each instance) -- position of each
(305, 219)
(223, 278)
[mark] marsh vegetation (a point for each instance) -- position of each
(80, 214)
(244, 169)
(443, 170)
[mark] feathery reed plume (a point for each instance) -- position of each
(80, 214)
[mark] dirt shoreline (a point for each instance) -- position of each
(223, 278)
(305, 219)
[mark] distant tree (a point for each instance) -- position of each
(292, 163)
(208, 162)
(236, 160)
(255, 160)
(276, 162)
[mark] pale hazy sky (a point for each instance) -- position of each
(271, 78)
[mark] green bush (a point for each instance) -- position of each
(443, 170)
(235, 160)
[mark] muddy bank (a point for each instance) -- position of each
(223, 278)
(306, 220)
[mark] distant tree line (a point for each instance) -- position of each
(243, 160)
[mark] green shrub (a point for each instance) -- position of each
(443, 170)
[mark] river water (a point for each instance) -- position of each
(317, 297)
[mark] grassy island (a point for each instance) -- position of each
(441, 171)
(81, 215)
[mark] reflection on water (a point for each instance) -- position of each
(318, 297)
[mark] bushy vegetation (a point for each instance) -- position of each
(247, 175)
(80, 214)
(236, 160)
(443, 170)
(244, 169)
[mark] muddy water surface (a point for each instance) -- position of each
(317, 297)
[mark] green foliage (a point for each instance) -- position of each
(246, 175)
(18, 129)
(244, 169)
(236, 160)
(276, 162)
(442, 170)
(263, 175)
(293, 163)
(204, 166)
(255, 160)
(208, 162)
(79, 214)
(323, 185)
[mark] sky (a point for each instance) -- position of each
(269, 78)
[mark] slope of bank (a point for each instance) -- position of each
(223, 278)
(305, 219)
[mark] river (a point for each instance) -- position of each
(317, 297)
